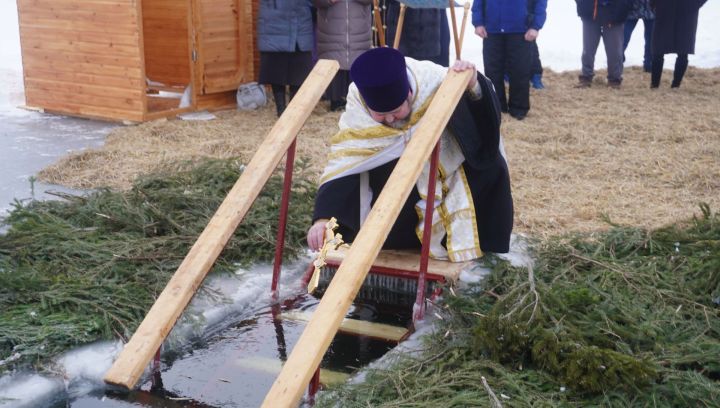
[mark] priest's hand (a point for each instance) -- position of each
(316, 234)
(461, 65)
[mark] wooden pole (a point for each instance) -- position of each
(454, 29)
(462, 28)
(378, 23)
(161, 318)
(398, 31)
(315, 339)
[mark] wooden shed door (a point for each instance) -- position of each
(223, 44)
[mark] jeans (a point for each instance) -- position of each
(629, 27)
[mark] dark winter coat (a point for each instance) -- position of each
(284, 26)
(605, 12)
(509, 16)
(422, 31)
(344, 30)
(641, 10)
(675, 26)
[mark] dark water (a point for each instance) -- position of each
(237, 367)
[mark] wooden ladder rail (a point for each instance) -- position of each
(288, 388)
(161, 318)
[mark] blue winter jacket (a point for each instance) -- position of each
(284, 26)
(508, 16)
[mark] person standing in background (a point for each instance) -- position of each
(285, 42)
(536, 69)
(674, 33)
(508, 29)
(344, 32)
(640, 10)
(425, 34)
(602, 18)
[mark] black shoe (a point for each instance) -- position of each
(518, 115)
(583, 82)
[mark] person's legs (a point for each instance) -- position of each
(627, 33)
(519, 57)
(494, 61)
(591, 40)
(681, 64)
(657, 67)
(279, 95)
(536, 69)
(647, 56)
(613, 41)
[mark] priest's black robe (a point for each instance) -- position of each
(476, 126)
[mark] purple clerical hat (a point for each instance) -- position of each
(381, 77)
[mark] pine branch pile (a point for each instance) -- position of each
(90, 267)
(627, 318)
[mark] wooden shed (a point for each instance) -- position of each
(132, 60)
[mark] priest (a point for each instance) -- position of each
(473, 208)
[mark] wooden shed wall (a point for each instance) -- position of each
(166, 40)
(226, 43)
(83, 57)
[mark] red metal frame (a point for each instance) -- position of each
(314, 386)
(156, 379)
(282, 222)
(419, 309)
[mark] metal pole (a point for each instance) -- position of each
(419, 309)
(314, 386)
(282, 222)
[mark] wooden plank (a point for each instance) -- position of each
(166, 42)
(166, 114)
(85, 26)
(72, 88)
(131, 74)
(82, 16)
(406, 261)
(174, 298)
(273, 366)
(224, 14)
(44, 33)
(357, 327)
(99, 5)
(158, 104)
(47, 93)
(77, 59)
(217, 101)
(47, 73)
(70, 46)
(86, 111)
(315, 339)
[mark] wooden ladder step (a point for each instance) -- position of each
(359, 327)
(273, 366)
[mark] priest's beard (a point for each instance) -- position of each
(398, 124)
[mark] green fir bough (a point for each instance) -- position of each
(90, 267)
(627, 317)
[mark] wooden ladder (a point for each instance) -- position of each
(173, 300)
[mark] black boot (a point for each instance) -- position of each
(293, 90)
(279, 94)
(657, 67)
(681, 65)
